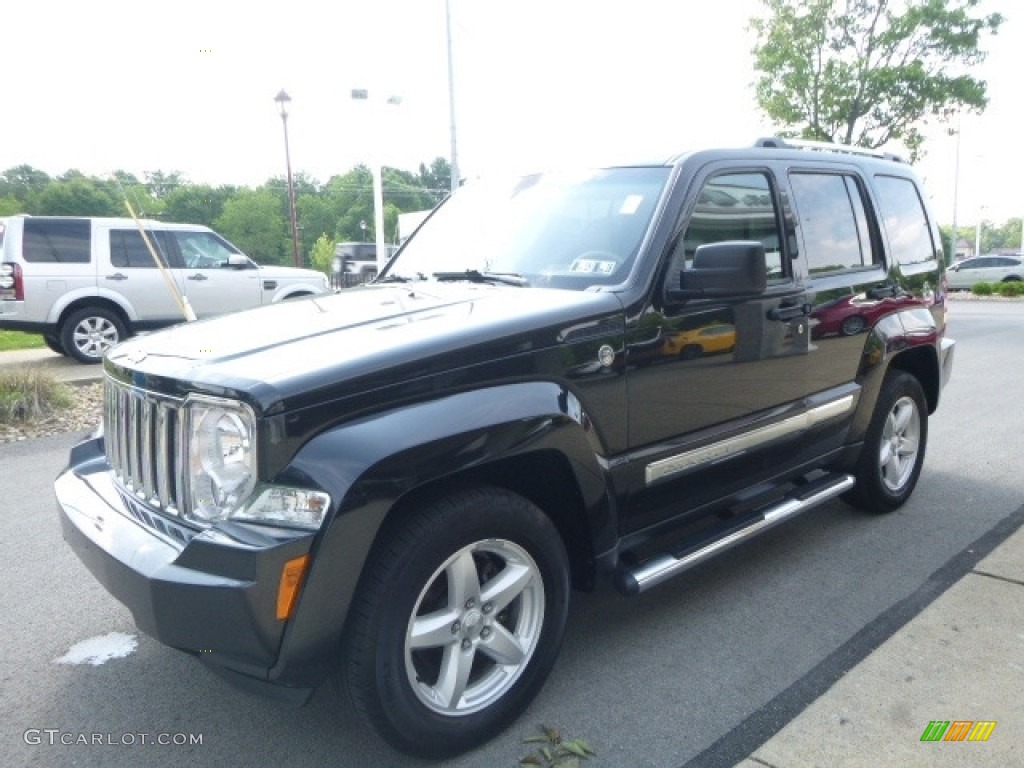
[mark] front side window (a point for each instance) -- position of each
(203, 250)
(905, 220)
(562, 230)
(734, 206)
(833, 222)
(57, 241)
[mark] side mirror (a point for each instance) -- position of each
(238, 260)
(730, 268)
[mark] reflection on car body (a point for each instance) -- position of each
(853, 314)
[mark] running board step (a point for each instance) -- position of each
(640, 577)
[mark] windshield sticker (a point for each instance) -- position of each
(630, 204)
(593, 266)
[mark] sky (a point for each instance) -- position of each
(189, 86)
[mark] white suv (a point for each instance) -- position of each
(87, 283)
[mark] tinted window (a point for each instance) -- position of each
(905, 220)
(833, 221)
(64, 241)
(128, 250)
(735, 206)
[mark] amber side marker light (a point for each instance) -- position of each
(288, 588)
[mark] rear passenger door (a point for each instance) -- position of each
(130, 270)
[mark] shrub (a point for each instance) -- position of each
(981, 289)
(1011, 288)
(30, 394)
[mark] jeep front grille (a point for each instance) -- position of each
(144, 436)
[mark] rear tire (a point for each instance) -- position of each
(893, 454)
(88, 333)
(457, 622)
(54, 344)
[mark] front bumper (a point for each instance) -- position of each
(946, 352)
(212, 593)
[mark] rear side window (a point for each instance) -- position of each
(905, 220)
(128, 250)
(833, 222)
(56, 241)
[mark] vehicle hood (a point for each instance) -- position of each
(357, 340)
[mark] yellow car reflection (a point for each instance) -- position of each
(707, 340)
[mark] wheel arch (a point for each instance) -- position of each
(519, 437)
(100, 302)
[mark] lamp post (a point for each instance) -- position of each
(282, 99)
(361, 94)
(977, 231)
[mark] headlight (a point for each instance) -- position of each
(221, 444)
(280, 505)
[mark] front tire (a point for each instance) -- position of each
(88, 333)
(894, 447)
(457, 622)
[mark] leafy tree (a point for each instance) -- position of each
(21, 180)
(196, 203)
(437, 179)
(322, 255)
(253, 220)
(9, 205)
(318, 213)
(867, 72)
(162, 184)
(78, 196)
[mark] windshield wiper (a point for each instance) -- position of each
(476, 276)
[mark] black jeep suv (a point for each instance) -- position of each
(564, 377)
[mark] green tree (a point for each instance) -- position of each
(162, 184)
(866, 72)
(9, 205)
(437, 179)
(317, 213)
(254, 221)
(75, 196)
(196, 203)
(322, 254)
(22, 180)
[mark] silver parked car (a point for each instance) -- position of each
(87, 283)
(984, 269)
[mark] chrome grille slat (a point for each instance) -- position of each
(163, 458)
(144, 444)
(134, 447)
(147, 479)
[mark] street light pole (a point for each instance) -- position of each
(451, 96)
(282, 99)
(361, 94)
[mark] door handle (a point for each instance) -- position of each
(789, 313)
(198, 276)
(117, 276)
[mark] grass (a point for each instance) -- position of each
(20, 340)
(30, 394)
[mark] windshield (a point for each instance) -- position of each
(554, 230)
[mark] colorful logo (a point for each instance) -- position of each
(958, 730)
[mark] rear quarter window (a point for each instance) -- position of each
(905, 221)
(56, 241)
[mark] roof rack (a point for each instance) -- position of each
(775, 142)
